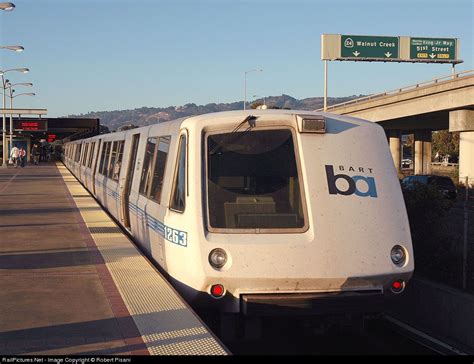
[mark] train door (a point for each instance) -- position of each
(94, 173)
(138, 194)
(127, 187)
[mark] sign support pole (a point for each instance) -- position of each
(325, 85)
(4, 128)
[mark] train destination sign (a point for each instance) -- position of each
(30, 125)
(379, 48)
(369, 47)
(433, 49)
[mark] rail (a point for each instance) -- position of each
(403, 89)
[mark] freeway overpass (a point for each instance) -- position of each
(442, 103)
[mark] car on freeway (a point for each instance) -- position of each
(443, 184)
(407, 163)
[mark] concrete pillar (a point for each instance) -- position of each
(422, 155)
(395, 148)
(466, 157)
(463, 121)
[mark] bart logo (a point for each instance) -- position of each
(371, 190)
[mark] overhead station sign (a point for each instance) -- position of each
(30, 125)
(344, 47)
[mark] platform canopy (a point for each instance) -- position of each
(24, 112)
(52, 129)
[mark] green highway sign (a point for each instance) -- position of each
(433, 49)
(367, 47)
(380, 48)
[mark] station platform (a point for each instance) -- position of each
(71, 283)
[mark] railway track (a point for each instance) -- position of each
(383, 336)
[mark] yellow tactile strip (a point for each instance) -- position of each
(167, 325)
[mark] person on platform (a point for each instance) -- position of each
(22, 155)
(15, 155)
(36, 154)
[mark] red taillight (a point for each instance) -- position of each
(398, 286)
(217, 290)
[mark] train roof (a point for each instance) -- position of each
(234, 116)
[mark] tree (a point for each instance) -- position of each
(444, 143)
(103, 129)
(128, 127)
(256, 104)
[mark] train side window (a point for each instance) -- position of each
(116, 166)
(147, 166)
(105, 158)
(84, 156)
(102, 158)
(84, 153)
(159, 168)
(91, 153)
(113, 158)
(178, 196)
(78, 153)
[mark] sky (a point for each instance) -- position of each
(102, 55)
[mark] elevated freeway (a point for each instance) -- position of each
(438, 104)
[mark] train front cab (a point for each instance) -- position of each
(296, 215)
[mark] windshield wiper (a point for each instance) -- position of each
(231, 138)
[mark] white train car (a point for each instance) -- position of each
(280, 211)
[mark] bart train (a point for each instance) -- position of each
(280, 211)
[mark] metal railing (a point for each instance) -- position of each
(444, 164)
(403, 89)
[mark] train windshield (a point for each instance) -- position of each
(253, 181)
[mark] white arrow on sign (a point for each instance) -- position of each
(356, 53)
(432, 55)
(388, 54)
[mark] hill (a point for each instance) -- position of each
(152, 115)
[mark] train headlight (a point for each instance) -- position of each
(217, 258)
(398, 255)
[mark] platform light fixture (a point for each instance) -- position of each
(13, 48)
(9, 85)
(21, 70)
(7, 6)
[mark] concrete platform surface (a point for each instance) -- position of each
(66, 287)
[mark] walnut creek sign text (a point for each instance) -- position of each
(353, 46)
(344, 47)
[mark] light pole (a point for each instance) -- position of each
(7, 6)
(10, 87)
(245, 85)
(4, 130)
